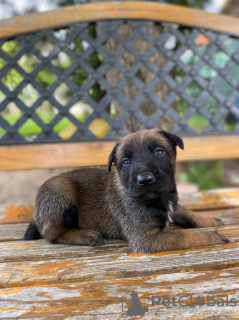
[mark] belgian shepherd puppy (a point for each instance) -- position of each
(137, 200)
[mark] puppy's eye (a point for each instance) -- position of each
(159, 152)
(125, 162)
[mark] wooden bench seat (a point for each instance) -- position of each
(39, 280)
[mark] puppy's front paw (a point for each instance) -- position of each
(217, 238)
(93, 238)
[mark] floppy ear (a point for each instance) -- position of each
(112, 157)
(172, 138)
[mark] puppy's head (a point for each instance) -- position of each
(145, 161)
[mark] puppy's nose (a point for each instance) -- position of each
(145, 179)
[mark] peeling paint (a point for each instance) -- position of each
(36, 294)
(15, 213)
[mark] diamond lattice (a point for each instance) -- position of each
(100, 80)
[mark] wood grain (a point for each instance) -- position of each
(11, 232)
(16, 214)
(99, 299)
(211, 199)
(41, 250)
(39, 280)
(220, 203)
(62, 263)
(116, 10)
(71, 155)
(54, 155)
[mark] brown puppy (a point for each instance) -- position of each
(138, 201)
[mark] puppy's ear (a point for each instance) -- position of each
(112, 157)
(172, 138)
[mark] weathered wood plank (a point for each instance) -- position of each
(114, 10)
(26, 264)
(211, 199)
(16, 214)
(228, 216)
(72, 155)
(68, 155)
(42, 250)
(11, 232)
(204, 200)
(99, 299)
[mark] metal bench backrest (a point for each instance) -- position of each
(126, 66)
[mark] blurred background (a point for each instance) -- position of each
(20, 187)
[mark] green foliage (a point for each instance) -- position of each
(11, 47)
(79, 76)
(94, 60)
(183, 106)
(212, 105)
(31, 128)
(61, 125)
(28, 62)
(12, 79)
(207, 175)
(2, 63)
(96, 93)
(45, 77)
(228, 126)
(78, 46)
(197, 122)
(91, 31)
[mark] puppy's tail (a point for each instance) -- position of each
(32, 232)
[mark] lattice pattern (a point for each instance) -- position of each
(102, 80)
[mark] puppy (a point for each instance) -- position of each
(137, 200)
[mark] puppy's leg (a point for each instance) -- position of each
(189, 219)
(83, 237)
(148, 237)
(57, 215)
(155, 240)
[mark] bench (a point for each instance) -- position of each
(80, 78)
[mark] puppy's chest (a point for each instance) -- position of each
(158, 212)
(162, 214)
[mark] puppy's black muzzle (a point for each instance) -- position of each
(145, 179)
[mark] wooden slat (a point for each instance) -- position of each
(111, 262)
(16, 214)
(99, 299)
(228, 216)
(58, 155)
(118, 252)
(41, 250)
(72, 155)
(114, 10)
(215, 200)
(209, 148)
(211, 199)
(11, 232)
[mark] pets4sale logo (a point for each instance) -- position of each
(132, 307)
